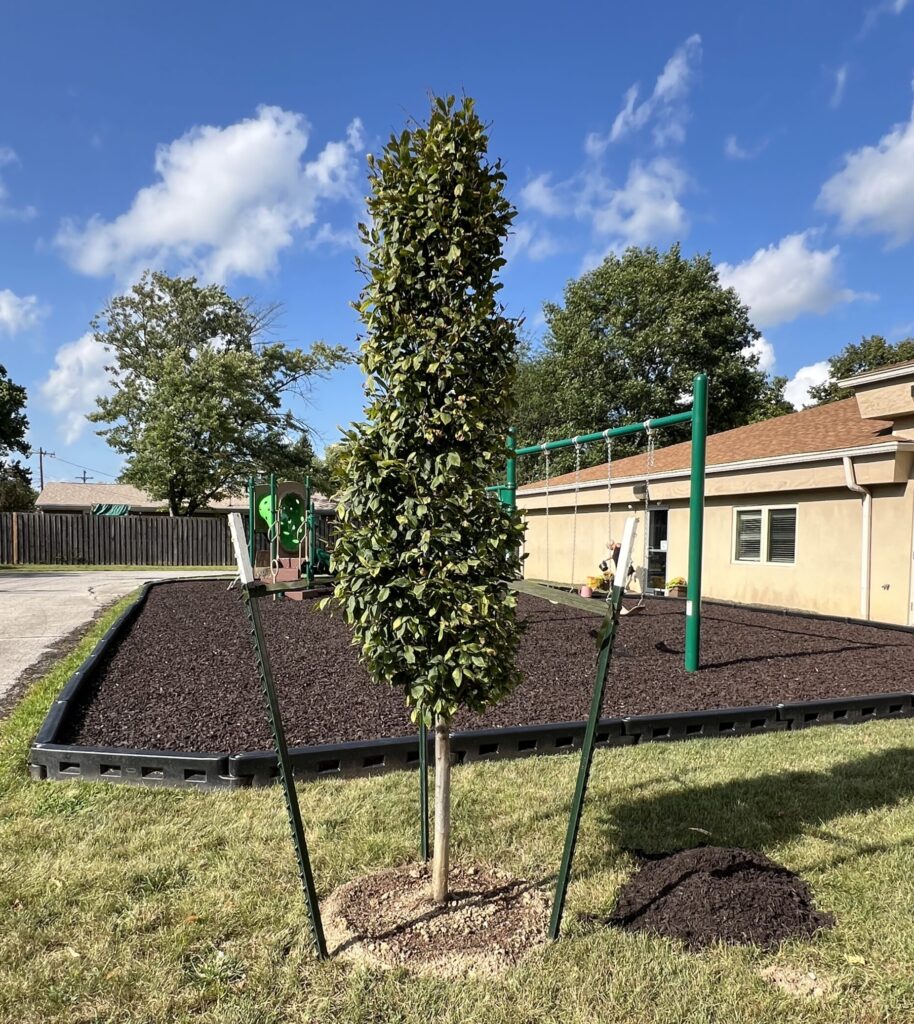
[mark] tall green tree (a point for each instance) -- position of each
(16, 494)
(624, 345)
(198, 400)
(868, 354)
(423, 552)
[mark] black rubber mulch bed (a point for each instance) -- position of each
(183, 678)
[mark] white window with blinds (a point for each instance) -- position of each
(767, 534)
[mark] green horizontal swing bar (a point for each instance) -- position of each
(601, 435)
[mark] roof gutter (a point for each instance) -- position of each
(866, 533)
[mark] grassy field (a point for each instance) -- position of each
(115, 568)
(133, 905)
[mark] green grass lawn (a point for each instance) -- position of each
(120, 904)
(115, 568)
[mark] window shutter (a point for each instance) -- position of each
(749, 536)
(782, 534)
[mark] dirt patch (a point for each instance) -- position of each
(390, 920)
(183, 677)
(718, 894)
(806, 984)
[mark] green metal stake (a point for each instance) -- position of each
(696, 521)
(423, 789)
(285, 769)
(605, 641)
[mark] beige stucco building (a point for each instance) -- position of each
(812, 510)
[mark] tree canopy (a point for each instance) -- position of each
(625, 344)
(423, 552)
(198, 395)
(16, 494)
(868, 354)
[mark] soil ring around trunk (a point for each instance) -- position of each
(718, 894)
(389, 919)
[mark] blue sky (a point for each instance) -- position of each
(229, 140)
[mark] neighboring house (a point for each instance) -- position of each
(813, 510)
(84, 498)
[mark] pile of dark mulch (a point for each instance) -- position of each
(718, 894)
(183, 677)
(489, 922)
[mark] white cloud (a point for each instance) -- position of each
(783, 281)
(873, 14)
(77, 377)
(665, 106)
(797, 389)
(735, 150)
(541, 196)
(18, 312)
(837, 94)
(647, 207)
(533, 242)
(762, 348)
(8, 212)
(226, 201)
(873, 194)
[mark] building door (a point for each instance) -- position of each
(656, 550)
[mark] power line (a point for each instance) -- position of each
(86, 469)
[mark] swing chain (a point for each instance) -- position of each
(546, 458)
(649, 430)
(574, 520)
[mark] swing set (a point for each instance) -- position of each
(697, 418)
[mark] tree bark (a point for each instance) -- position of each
(442, 849)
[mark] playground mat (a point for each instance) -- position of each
(182, 677)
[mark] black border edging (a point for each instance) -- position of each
(51, 760)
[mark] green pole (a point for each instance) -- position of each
(696, 521)
(312, 532)
(274, 529)
(252, 517)
(423, 790)
(605, 641)
(286, 777)
(511, 471)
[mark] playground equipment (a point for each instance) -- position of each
(285, 513)
(697, 418)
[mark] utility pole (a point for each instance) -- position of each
(41, 455)
(85, 477)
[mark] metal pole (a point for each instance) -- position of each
(285, 770)
(423, 789)
(696, 522)
(252, 517)
(511, 470)
(312, 532)
(600, 435)
(605, 641)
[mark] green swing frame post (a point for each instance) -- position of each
(697, 417)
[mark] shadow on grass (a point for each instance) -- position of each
(756, 812)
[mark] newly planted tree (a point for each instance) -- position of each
(423, 552)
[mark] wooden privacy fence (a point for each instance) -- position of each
(41, 538)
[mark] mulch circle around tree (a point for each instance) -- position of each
(718, 894)
(183, 677)
(389, 919)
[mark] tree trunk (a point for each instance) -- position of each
(442, 849)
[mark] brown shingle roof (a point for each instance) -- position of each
(84, 496)
(822, 428)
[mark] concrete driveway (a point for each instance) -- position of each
(38, 610)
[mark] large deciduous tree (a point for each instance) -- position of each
(423, 551)
(625, 344)
(198, 395)
(16, 494)
(869, 354)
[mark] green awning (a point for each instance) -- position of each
(110, 510)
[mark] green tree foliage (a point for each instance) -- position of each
(198, 395)
(423, 552)
(16, 491)
(771, 401)
(869, 354)
(624, 346)
(13, 421)
(16, 494)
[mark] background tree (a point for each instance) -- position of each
(624, 346)
(198, 394)
(16, 494)
(869, 354)
(423, 552)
